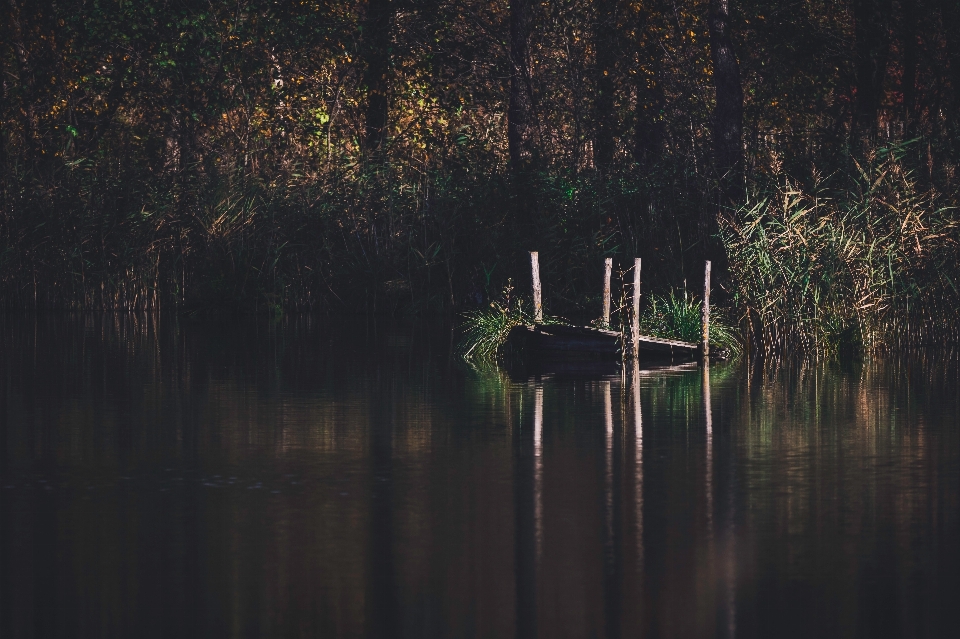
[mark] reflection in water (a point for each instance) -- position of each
(708, 413)
(382, 613)
(612, 594)
(638, 461)
(304, 478)
(608, 458)
(728, 542)
(527, 521)
(538, 465)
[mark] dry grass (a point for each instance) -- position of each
(818, 269)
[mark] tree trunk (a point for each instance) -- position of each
(648, 114)
(25, 79)
(605, 41)
(950, 12)
(728, 113)
(910, 47)
(648, 124)
(872, 50)
(520, 120)
(376, 34)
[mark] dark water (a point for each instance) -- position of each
(309, 478)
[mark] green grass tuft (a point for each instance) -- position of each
(679, 317)
(486, 329)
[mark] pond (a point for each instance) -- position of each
(164, 477)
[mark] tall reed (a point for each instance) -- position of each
(868, 265)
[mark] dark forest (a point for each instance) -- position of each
(401, 156)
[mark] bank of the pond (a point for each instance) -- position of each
(865, 260)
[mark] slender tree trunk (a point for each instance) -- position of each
(5, 111)
(605, 42)
(520, 119)
(950, 14)
(648, 114)
(910, 47)
(872, 51)
(376, 37)
(25, 78)
(648, 122)
(728, 113)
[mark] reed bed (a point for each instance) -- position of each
(869, 266)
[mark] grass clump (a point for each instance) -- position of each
(486, 329)
(680, 317)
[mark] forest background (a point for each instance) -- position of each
(403, 155)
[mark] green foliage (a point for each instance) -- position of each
(679, 317)
(208, 155)
(672, 317)
(486, 329)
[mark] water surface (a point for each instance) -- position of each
(304, 477)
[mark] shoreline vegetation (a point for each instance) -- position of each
(367, 157)
(678, 316)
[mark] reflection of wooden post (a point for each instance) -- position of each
(537, 302)
(538, 468)
(708, 411)
(638, 459)
(635, 319)
(608, 462)
(706, 311)
(607, 269)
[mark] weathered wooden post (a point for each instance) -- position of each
(537, 302)
(706, 311)
(607, 270)
(635, 317)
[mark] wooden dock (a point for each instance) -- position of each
(561, 341)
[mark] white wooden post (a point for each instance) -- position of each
(706, 311)
(635, 318)
(537, 302)
(607, 270)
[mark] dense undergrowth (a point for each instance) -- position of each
(368, 239)
(865, 258)
(381, 157)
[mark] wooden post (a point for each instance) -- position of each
(706, 311)
(635, 317)
(537, 302)
(607, 269)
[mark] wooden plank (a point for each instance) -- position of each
(664, 346)
(675, 343)
(560, 340)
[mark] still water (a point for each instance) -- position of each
(310, 478)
